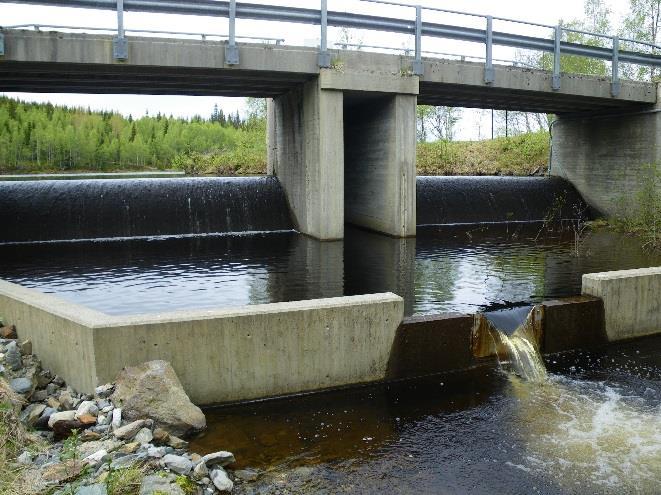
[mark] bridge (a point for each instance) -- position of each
(341, 133)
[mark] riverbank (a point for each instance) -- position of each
(125, 439)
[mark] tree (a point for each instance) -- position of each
(642, 23)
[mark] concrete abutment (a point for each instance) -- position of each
(346, 153)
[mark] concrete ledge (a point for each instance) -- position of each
(632, 301)
(426, 345)
(219, 355)
(573, 323)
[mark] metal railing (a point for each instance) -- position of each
(416, 26)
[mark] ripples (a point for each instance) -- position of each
(444, 269)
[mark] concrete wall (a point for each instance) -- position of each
(306, 152)
(632, 301)
(219, 355)
(380, 174)
(604, 157)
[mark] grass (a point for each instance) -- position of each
(640, 213)
(525, 154)
(125, 481)
(14, 439)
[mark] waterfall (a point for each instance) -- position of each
(517, 351)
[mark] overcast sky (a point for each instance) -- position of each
(471, 127)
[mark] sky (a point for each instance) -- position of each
(475, 124)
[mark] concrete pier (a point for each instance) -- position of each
(605, 156)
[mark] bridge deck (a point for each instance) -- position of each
(82, 63)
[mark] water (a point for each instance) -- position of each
(443, 269)
(594, 426)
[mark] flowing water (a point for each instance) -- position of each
(592, 427)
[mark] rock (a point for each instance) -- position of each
(96, 489)
(129, 448)
(43, 379)
(177, 463)
(104, 391)
(157, 452)
(200, 471)
(220, 480)
(161, 436)
(221, 459)
(152, 390)
(89, 448)
(130, 430)
(13, 357)
(116, 418)
(155, 484)
(8, 332)
(66, 400)
(26, 347)
(62, 471)
(51, 390)
(58, 381)
(61, 416)
(87, 420)
(103, 419)
(87, 407)
(90, 436)
(32, 413)
(39, 396)
(23, 386)
(64, 429)
(54, 403)
(96, 458)
(25, 458)
(126, 461)
(42, 422)
(177, 443)
(144, 436)
(246, 474)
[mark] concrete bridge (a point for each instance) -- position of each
(342, 138)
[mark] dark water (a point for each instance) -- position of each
(91, 209)
(452, 200)
(593, 427)
(444, 269)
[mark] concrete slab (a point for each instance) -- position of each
(632, 301)
(219, 355)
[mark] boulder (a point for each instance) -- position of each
(61, 416)
(32, 413)
(177, 463)
(221, 459)
(221, 481)
(13, 357)
(8, 332)
(130, 430)
(152, 390)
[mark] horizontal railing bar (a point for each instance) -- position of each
(429, 52)
(359, 21)
(150, 31)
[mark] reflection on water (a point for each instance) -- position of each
(444, 269)
(593, 427)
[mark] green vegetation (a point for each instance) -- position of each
(525, 154)
(641, 213)
(46, 138)
(125, 481)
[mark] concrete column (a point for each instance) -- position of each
(380, 174)
(604, 156)
(306, 152)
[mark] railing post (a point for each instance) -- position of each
(231, 50)
(489, 73)
(120, 47)
(418, 68)
(555, 81)
(2, 44)
(615, 81)
(324, 54)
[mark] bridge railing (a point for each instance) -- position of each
(417, 25)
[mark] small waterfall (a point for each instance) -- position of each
(518, 351)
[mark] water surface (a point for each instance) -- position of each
(458, 268)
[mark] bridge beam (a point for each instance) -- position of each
(606, 156)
